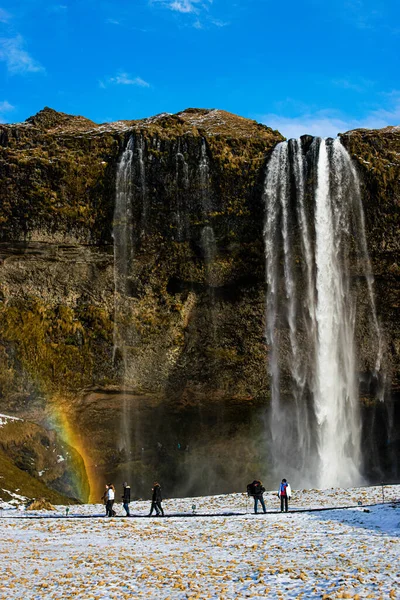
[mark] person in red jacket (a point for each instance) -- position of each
(284, 494)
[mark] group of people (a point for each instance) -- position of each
(256, 490)
(109, 499)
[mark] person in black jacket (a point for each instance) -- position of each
(156, 500)
(126, 498)
(256, 489)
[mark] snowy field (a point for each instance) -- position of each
(350, 553)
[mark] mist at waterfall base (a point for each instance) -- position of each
(316, 270)
(317, 266)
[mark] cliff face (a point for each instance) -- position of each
(377, 154)
(147, 353)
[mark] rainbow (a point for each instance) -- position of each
(61, 420)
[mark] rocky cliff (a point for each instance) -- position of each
(147, 354)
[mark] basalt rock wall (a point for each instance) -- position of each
(191, 376)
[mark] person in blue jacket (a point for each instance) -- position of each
(284, 494)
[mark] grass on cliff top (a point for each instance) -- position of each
(14, 480)
(192, 120)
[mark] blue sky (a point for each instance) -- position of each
(304, 66)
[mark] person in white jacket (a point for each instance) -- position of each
(110, 500)
(284, 494)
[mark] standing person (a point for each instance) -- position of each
(110, 501)
(256, 489)
(156, 500)
(105, 498)
(284, 494)
(126, 498)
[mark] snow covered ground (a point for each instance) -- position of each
(350, 553)
(4, 419)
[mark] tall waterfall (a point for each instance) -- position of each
(314, 226)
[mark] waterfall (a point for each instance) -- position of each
(335, 400)
(123, 257)
(208, 242)
(181, 182)
(122, 235)
(311, 310)
(142, 179)
(204, 169)
(271, 195)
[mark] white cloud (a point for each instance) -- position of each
(219, 23)
(195, 9)
(184, 6)
(124, 79)
(356, 84)
(5, 107)
(328, 123)
(18, 61)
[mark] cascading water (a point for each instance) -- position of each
(181, 184)
(314, 417)
(142, 176)
(123, 256)
(122, 235)
(204, 169)
(207, 240)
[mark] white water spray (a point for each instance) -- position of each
(315, 429)
(123, 257)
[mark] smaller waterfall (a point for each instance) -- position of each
(204, 169)
(342, 157)
(208, 242)
(142, 175)
(123, 257)
(181, 183)
(122, 235)
(315, 429)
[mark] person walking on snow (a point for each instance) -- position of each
(110, 501)
(156, 500)
(105, 498)
(284, 494)
(126, 498)
(256, 489)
